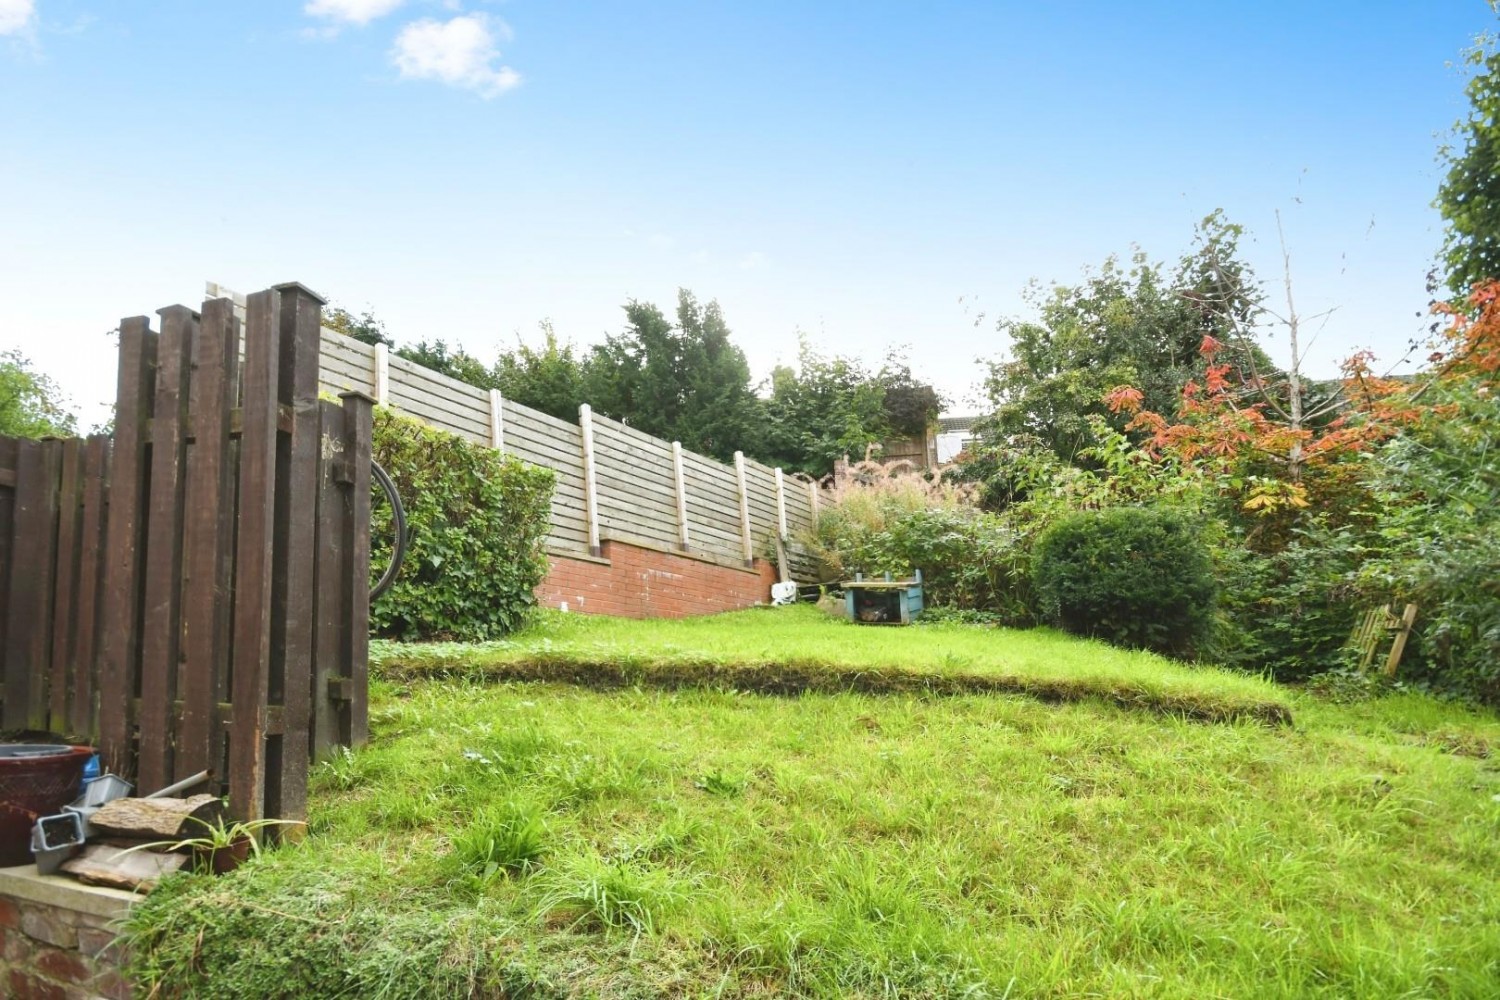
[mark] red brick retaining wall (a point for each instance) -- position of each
(640, 581)
(57, 938)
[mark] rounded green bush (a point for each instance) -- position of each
(478, 522)
(1134, 576)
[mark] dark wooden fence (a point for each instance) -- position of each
(191, 592)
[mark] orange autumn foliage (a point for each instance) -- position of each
(1226, 415)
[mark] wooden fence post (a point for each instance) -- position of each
(290, 680)
(497, 421)
(780, 503)
(812, 497)
(382, 375)
(682, 512)
(253, 558)
(122, 590)
(739, 475)
(590, 487)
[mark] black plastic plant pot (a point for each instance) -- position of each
(36, 779)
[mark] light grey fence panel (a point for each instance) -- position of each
(345, 364)
(535, 437)
(441, 401)
(713, 506)
(760, 484)
(637, 488)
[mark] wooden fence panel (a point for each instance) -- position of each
(345, 364)
(27, 633)
(163, 590)
(636, 483)
(713, 506)
(544, 440)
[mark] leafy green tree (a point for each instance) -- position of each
(456, 363)
(685, 382)
(550, 379)
(911, 406)
(823, 409)
(1126, 324)
(31, 404)
(1469, 195)
(364, 328)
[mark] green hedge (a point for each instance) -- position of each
(476, 522)
(1134, 576)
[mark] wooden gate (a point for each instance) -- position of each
(191, 592)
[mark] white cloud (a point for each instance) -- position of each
(754, 261)
(459, 52)
(348, 11)
(16, 15)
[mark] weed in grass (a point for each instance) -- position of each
(627, 894)
(501, 838)
(404, 809)
(717, 782)
(677, 838)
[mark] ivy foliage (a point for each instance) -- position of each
(1133, 576)
(476, 521)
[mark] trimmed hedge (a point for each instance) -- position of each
(1134, 576)
(477, 521)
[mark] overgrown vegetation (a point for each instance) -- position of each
(1135, 576)
(706, 841)
(476, 522)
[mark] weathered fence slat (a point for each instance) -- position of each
(65, 584)
(82, 708)
(161, 626)
(206, 541)
(359, 437)
(335, 516)
(122, 590)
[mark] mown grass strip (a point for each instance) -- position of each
(794, 651)
(793, 678)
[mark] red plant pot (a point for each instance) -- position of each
(36, 779)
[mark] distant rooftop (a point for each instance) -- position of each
(949, 425)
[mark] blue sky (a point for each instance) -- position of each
(872, 174)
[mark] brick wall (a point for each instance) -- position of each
(640, 581)
(56, 939)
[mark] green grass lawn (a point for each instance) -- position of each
(531, 839)
(799, 649)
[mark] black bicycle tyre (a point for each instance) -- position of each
(398, 525)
